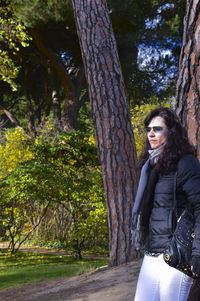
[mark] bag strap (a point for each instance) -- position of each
(174, 205)
(174, 194)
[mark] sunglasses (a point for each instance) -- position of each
(156, 129)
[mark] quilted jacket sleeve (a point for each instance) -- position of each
(189, 173)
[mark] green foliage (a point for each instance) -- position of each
(14, 149)
(23, 267)
(75, 157)
(53, 176)
(174, 23)
(9, 70)
(50, 10)
(13, 35)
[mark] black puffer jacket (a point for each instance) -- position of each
(187, 192)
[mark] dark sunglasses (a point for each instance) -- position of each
(156, 129)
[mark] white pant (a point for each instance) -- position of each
(159, 282)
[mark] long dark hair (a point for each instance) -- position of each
(177, 143)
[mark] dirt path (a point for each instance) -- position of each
(112, 284)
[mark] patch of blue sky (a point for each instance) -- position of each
(148, 56)
(169, 43)
(153, 23)
(165, 7)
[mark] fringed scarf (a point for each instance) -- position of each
(144, 199)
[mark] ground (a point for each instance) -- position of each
(110, 284)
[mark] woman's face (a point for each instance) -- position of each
(157, 132)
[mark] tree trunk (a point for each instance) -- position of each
(10, 116)
(55, 100)
(70, 114)
(188, 83)
(188, 89)
(72, 106)
(31, 120)
(112, 122)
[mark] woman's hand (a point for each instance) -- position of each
(195, 265)
(194, 274)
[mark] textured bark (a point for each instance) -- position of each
(188, 83)
(188, 88)
(113, 129)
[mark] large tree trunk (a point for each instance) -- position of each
(188, 83)
(188, 88)
(113, 129)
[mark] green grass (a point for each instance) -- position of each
(23, 267)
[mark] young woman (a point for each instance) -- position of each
(167, 154)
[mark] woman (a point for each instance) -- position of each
(167, 154)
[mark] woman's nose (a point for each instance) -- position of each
(151, 133)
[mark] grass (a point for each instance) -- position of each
(25, 267)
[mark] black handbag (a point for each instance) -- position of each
(179, 250)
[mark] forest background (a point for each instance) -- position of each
(50, 179)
